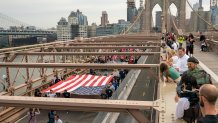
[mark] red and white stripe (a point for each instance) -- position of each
(74, 82)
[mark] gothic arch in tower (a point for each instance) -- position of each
(149, 5)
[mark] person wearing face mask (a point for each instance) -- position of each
(208, 94)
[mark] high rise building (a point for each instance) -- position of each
(200, 6)
(141, 5)
(78, 31)
(213, 11)
(196, 6)
(217, 17)
(122, 26)
(4, 41)
(113, 29)
(158, 23)
(196, 24)
(82, 19)
(63, 30)
(78, 24)
(92, 30)
(75, 27)
(77, 18)
(105, 30)
(73, 19)
(141, 8)
(104, 18)
(131, 11)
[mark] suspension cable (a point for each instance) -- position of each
(174, 24)
(130, 27)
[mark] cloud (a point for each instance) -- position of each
(46, 13)
(50, 11)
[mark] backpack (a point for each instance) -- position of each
(201, 76)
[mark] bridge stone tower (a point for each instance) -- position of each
(165, 4)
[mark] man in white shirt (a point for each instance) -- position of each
(51, 94)
(57, 119)
(181, 65)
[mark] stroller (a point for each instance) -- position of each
(204, 46)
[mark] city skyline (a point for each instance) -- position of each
(46, 13)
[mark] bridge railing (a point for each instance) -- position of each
(212, 45)
(35, 46)
(124, 86)
(127, 84)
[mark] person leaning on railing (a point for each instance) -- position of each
(171, 74)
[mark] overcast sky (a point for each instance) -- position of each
(46, 13)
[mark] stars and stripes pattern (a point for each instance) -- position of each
(76, 81)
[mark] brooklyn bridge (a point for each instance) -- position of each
(140, 97)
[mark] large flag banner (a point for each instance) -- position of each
(76, 81)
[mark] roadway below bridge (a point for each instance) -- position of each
(65, 116)
(145, 89)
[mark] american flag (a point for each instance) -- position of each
(76, 81)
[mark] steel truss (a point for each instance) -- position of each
(93, 105)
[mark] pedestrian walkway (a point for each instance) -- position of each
(208, 62)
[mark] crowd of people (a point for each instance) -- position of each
(108, 90)
(174, 42)
(53, 117)
(195, 94)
